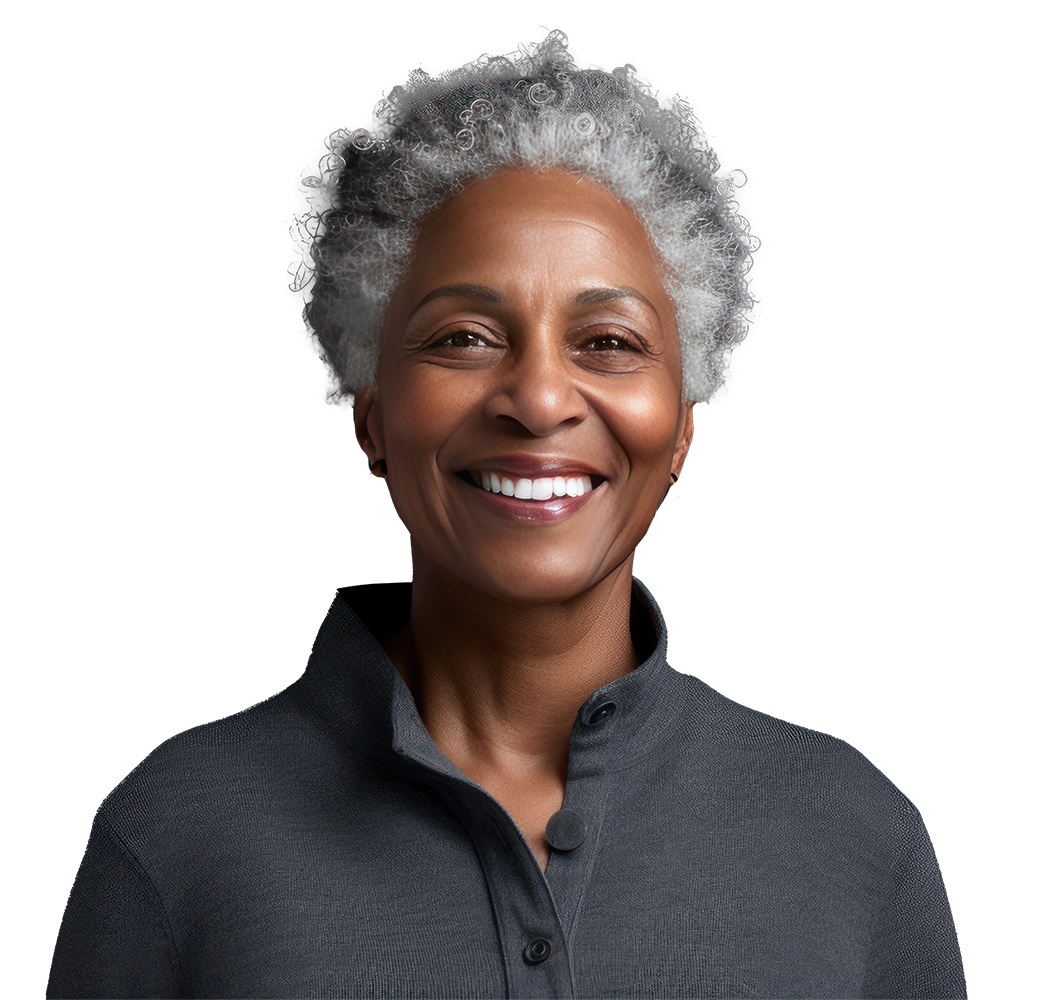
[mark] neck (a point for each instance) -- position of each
(497, 685)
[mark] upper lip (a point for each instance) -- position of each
(532, 466)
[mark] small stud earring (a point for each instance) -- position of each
(675, 478)
(379, 464)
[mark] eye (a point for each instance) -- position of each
(610, 342)
(610, 339)
(611, 349)
(466, 346)
(463, 338)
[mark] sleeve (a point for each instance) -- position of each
(115, 939)
(915, 951)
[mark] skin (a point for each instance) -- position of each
(531, 333)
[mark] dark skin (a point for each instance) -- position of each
(531, 338)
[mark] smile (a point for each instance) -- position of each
(534, 498)
(534, 488)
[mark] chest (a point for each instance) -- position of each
(397, 889)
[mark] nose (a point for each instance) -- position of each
(538, 388)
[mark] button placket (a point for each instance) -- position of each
(589, 790)
(537, 959)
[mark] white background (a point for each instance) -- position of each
(175, 512)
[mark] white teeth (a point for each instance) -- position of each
(543, 488)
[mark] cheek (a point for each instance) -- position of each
(424, 408)
(645, 421)
(412, 414)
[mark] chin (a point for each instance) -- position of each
(552, 581)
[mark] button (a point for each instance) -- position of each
(537, 951)
(601, 713)
(565, 830)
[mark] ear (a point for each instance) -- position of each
(368, 425)
(682, 444)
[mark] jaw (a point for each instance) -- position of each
(518, 576)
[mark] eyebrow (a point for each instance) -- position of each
(464, 291)
(591, 296)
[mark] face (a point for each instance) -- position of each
(529, 402)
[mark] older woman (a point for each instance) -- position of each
(489, 782)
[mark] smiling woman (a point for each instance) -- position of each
(531, 340)
(489, 782)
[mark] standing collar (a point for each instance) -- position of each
(351, 683)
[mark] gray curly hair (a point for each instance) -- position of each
(532, 109)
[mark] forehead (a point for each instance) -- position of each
(523, 226)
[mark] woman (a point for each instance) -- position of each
(490, 782)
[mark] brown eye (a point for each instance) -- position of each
(611, 350)
(609, 343)
(464, 338)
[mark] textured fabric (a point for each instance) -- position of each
(321, 845)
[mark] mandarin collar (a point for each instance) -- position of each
(351, 683)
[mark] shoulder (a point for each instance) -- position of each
(789, 798)
(221, 769)
(791, 770)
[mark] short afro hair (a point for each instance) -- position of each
(532, 109)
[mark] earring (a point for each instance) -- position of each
(674, 479)
(379, 464)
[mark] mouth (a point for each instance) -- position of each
(538, 489)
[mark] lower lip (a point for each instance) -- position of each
(532, 510)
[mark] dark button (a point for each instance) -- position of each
(537, 951)
(565, 830)
(601, 713)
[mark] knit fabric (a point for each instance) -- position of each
(320, 845)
